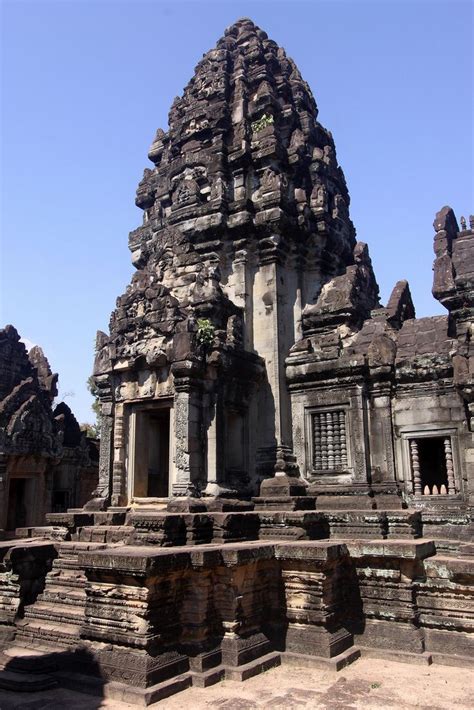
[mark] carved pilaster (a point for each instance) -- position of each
(105, 454)
(187, 433)
(358, 432)
(118, 468)
(181, 417)
(382, 451)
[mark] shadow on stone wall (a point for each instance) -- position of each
(50, 675)
(352, 611)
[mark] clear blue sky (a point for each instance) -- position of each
(86, 84)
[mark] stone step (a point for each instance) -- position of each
(75, 582)
(422, 659)
(336, 663)
(42, 633)
(258, 665)
(66, 563)
(26, 682)
(42, 610)
(61, 594)
(207, 678)
(138, 697)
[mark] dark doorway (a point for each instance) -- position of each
(151, 452)
(17, 512)
(60, 501)
(158, 453)
(432, 458)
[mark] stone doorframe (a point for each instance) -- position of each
(134, 410)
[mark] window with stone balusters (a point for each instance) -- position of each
(432, 465)
(329, 440)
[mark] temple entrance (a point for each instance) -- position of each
(17, 509)
(151, 453)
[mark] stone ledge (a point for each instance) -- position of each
(422, 659)
(248, 670)
(121, 692)
(406, 549)
(336, 663)
(310, 550)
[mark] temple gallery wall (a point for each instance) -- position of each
(286, 469)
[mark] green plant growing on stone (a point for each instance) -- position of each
(205, 331)
(261, 123)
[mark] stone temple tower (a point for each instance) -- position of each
(245, 218)
(254, 391)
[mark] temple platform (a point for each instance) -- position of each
(153, 602)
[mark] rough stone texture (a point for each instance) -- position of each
(398, 385)
(23, 566)
(154, 619)
(278, 448)
(45, 460)
(252, 330)
(245, 216)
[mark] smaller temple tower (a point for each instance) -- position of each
(46, 463)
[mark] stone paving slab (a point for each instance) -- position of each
(367, 684)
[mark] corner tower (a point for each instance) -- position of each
(246, 217)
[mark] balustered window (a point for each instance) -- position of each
(329, 440)
(432, 466)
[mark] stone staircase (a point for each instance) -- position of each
(63, 598)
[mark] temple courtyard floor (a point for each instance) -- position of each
(367, 683)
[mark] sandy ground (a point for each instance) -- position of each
(367, 683)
